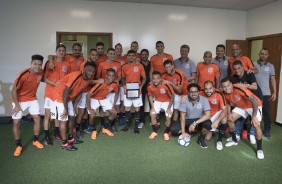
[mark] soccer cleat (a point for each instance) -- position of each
(260, 154)
(253, 139)
(140, 125)
(69, 147)
(153, 135)
(244, 134)
(125, 128)
(231, 143)
(219, 145)
(108, 132)
(74, 141)
(57, 137)
(48, 141)
(230, 138)
(202, 143)
(37, 144)
(94, 135)
(166, 137)
(267, 134)
(79, 134)
(18, 151)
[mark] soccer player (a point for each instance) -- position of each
(24, 97)
(51, 78)
(236, 55)
(158, 59)
(207, 71)
(98, 97)
(132, 72)
(221, 61)
(67, 94)
(266, 73)
(101, 55)
(246, 103)
(194, 112)
(217, 112)
(185, 64)
(163, 94)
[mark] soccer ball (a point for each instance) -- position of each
(183, 141)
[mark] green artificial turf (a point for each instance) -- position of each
(130, 158)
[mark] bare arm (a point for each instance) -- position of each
(254, 104)
(192, 78)
(273, 85)
(217, 82)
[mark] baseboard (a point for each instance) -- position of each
(278, 124)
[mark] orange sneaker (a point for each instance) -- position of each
(166, 137)
(153, 135)
(108, 132)
(18, 151)
(94, 135)
(37, 144)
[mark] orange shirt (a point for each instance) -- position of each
(74, 62)
(216, 100)
(102, 69)
(101, 59)
(246, 62)
(178, 78)
(207, 72)
(132, 72)
(89, 86)
(100, 91)
(27, 85)
(122, 60)
(157, 62)
(162, 93)
(239, 97)
(60, 70)
(74, 81)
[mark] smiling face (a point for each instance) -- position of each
(169, 68)
(220, 52)
(193, 93)
(184, 52)
(144, 56)
(118, 50)
(36, 66)
(88, 72)
(236, 51)
(156, 79)
(160, 48)
(238, 69)
(60, 52)
(110, 76)
(131, 57)
(76, 51)
(263, 55)
(111, 55)
(93, 55)
(209, 89)
(227, 87)
(207, 57)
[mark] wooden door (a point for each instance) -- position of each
(244, 45)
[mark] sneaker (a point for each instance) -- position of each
(79, 134)
(74, 141)
(202, 143)
(267, 134)
(125, 128)
(153, 135)
(136, 130)
(231, 143)
(140, 125)
(108, 132)
(260, 154)
(18, 151)
(219, 145)
(244, 134)
(48, 141)
(94, 135)
(253, 139)
(69, 147)
(57, 137)
(37, 144)
(230, 138)
(166, 137)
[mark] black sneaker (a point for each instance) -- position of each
(79, 134)
(75, 141)
(267, 134)
(202, 142)
(69, 147)
(136, 130)
(125, 128)
(48, 141)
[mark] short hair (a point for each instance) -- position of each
(193, 85)
(118, 44)
(134, 42)
(225, 80)
(59, 46)
(92, 64)
(99, 44)
(264, 49)
(207, 52)
(184, 46)
(156, 73)
(111, 70)
(159, 42)
(131, 52)
(110, 49)
(92, 50)
(220, 46)
(144, 50)
(168, 62)
(37, 57)
(76, 44)
(207, 82)
(237, 62)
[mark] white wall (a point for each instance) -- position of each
(29, 27)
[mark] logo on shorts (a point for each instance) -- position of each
(174, 81)
(210, 69)
(136, 69)
(164, 59)
(111, 89)
(266, 69)
(199, 106)
(64, 69)
(237, 98)
(187, 66)
(162, 91)
(115, 68)
(39, 79)
(225, 63)
(213, 101)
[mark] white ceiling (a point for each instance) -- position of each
(243, 5)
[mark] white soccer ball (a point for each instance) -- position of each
(182, 141)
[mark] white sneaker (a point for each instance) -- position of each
(140, 125)
(253, 139)
(231, 143)
(219, 145)
(260, 154)
(230, 138)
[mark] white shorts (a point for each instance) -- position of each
(137, 102)
(215, 117)
(58, 109)
(162, 105)
(32, 106)
(82, 102)
(121, 93)
(48, 103)
(246, 112)
(105, 104)
(177, 101)
(111, 97)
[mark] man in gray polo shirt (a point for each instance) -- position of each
(265, 72)
(195, 111)
(221, 61)
(186, 65)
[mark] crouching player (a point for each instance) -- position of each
(98, 97)
(164, 96)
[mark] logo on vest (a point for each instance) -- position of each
(199, 106)
(162, 91)
(210, 69)
(64, 69)
(237, 98)
(214, 101)
(136, 69)
(266, 69)
(187, 66)
(225, 63)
